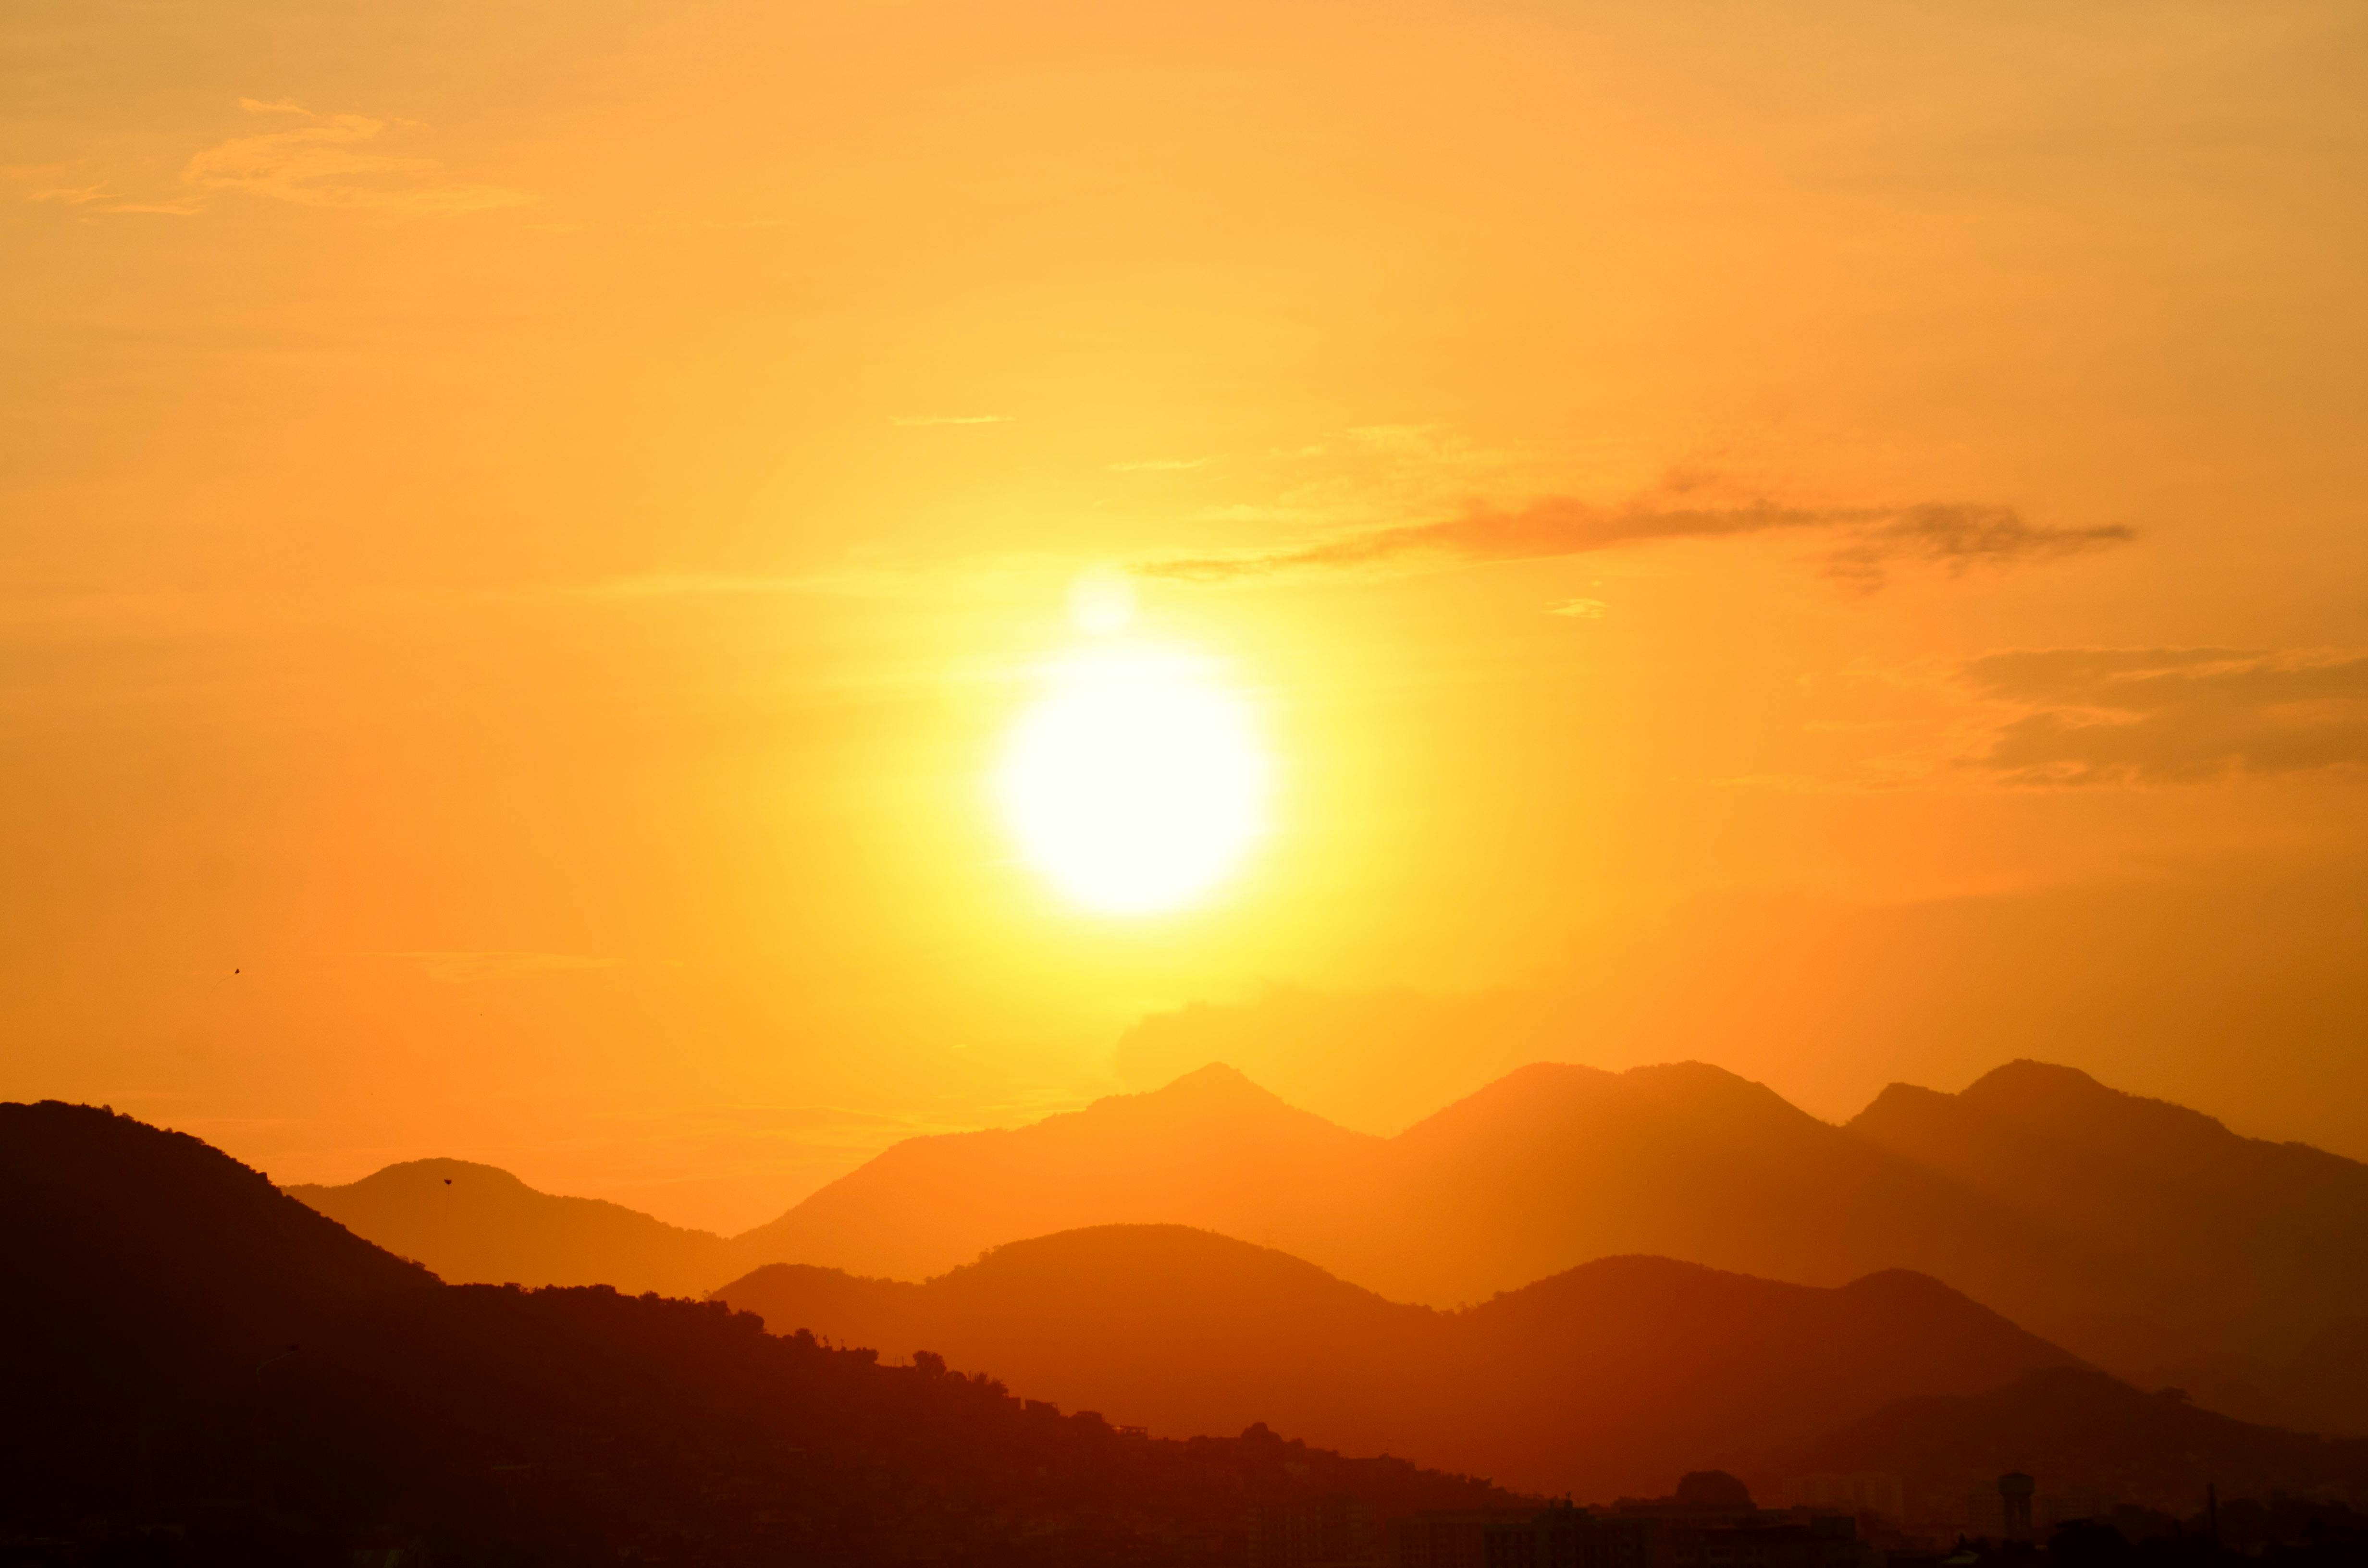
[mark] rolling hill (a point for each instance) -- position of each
(2144, 1237)
(2241, 1265)
(479, 1224)
(1607, 1379)
(200, 1369)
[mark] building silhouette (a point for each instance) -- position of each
(2002, 1510)
(1330, 1532)
(1664, 1535)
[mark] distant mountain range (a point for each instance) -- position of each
(1607, 1380)
(475, 1224)
(200, 1369)
(194, 1358)
(2144, 1237)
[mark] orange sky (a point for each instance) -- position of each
(1825, 538)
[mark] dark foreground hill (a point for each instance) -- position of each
(200, 1369)
(1605, 1379)
(478, 1224)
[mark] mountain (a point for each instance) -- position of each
(134, 1258)
(474, 1223)
(1550, 1166)
(2145, 1238)
(201, 1370)
(1607, 1379)
(1555, 1164)
(2229, 1253)
(1211, 1150)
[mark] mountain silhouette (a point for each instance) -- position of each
(475, 1224)
(1548, 1167)
(2145, 1238)
(139, 1260)
(156, 1413)
(2226, 1253)
(1606, 1378)
(1211, 1150)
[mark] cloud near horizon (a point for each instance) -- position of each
(2172, 715)
(1865, 540)
(320, 165)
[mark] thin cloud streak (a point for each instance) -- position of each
(1953, 535)
(320, 165)
(2128, 716)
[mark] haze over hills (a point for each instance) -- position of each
(194, 1355)
(2124, 1229)
(475, 1224)
(2229, 1242)
(1605, 1379)
(201, 1370)
(1211, 1150)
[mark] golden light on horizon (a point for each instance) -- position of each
(1137, 781)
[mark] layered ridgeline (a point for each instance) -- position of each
(1597, 1381)
(2248, 1259)
(201, 1369)
(1603, 1382)
(2149, 1239)
(479, 1224)
(200, 1362)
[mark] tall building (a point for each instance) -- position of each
(2002, 1511)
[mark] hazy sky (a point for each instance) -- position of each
(1823, 538)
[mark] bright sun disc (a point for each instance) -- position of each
(1136, 782)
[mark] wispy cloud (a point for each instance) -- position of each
(1579, 609)
(1863, 540)
(2170, 715)
(73, 196)
(331, 160)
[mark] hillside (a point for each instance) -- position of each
(477, 1224)
(2233, 1253)
(2144, 1237)
(198, 1362)
(1211, 1150)
(1606, 1378)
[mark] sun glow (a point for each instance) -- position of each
(1137, 781)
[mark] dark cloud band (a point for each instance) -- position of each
(1863, 540)
(2172, 715)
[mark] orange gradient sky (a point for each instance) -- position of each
(1825, 538)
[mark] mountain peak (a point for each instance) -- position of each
(1217, 1088)
(2024, 1078)
(428, 1172)
(1217, 1080)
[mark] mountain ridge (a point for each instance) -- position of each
(1596, 1380)
(1557, 1163)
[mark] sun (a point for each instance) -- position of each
(1136, 782)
